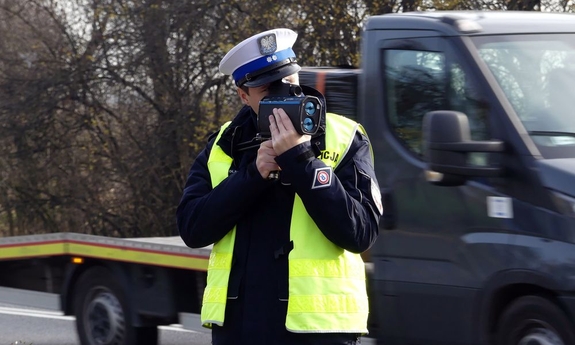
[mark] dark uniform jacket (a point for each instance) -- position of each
(261, 209)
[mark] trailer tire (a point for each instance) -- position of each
(102, 314)
(534, 320)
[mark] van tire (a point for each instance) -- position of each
(102, 313)
(534, 320)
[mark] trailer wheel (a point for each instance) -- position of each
(534, 320)
(101, 311)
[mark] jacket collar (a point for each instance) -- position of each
(242, 128)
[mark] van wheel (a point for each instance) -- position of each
(533, 320)
(102, 315)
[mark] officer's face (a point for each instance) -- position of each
(254, 96)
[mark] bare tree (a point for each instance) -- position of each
(108, 104)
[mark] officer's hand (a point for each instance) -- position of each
(265, 161)
(284, 135)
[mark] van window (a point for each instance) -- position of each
(421, 81)
(537, 75)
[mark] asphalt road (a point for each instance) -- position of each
(29, 326)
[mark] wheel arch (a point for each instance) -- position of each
(506, 286)
(75, 271)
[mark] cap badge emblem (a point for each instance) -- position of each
(267, 44)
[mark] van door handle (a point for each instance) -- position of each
(388, 218)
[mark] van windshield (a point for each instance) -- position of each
(537, 74)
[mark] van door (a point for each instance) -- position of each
(433, 257)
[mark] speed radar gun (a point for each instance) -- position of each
(305, 112)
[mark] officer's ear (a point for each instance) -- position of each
(243, 93)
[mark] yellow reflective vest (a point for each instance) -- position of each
(327, 290)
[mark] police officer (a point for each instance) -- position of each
(286, 266)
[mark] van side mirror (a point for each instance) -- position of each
(448, 145)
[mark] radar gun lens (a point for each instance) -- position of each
(308, 124)
(310, 108)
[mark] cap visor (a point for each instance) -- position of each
(273, 75)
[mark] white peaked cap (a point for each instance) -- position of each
(262, 58)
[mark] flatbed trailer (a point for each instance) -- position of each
(119, 289)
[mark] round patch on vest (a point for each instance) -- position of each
(322, 178)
